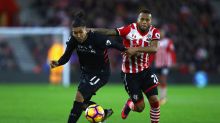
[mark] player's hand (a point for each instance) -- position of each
(132, 51)
(54, 64)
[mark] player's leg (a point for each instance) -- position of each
(135, 106)
(80, 104)
(96, 81)
(96, 85)
(163, 85)
(77, 108)
(149, 87)
(152, 96)
(83, 96)
(136, 100)
(87, 102)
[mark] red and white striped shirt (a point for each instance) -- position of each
(165, 56)
(132, 37)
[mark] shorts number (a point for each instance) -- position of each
(155, 78)
(94, 80)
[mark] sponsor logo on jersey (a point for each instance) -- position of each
(88, 49)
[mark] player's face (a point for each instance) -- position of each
(144, 21)
(79, 33)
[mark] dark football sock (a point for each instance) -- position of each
(87, 103)
(90, 103)
(76, 112)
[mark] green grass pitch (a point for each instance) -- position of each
(31, 103)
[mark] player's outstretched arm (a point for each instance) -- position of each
(65, 57)
(105, 31)
(67, 54)
(54, 64)
(149, 49)
(131, 51)
(116, 45)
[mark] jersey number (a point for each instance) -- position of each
(94, 80)
(155, 78)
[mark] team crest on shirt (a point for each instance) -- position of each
(149, 37)
(108, 43)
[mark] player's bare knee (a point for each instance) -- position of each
(79, 97)
(153, 99)
(140, 107)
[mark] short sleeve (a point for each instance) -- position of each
(156, 34)
(123, 31)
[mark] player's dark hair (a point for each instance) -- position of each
(78, 20)
(145, 11)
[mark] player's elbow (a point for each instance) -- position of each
(154, 49)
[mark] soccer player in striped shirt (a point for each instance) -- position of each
(142, 39)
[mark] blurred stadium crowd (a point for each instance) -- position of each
(192, 24)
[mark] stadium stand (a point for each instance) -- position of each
(193, 25)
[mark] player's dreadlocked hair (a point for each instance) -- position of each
(78, 20)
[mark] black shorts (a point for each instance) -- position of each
(162, 71)
(138, 83)
(91, 82)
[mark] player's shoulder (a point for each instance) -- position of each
(155, 33)
(124, 30)
(71, 40)
(154, 29)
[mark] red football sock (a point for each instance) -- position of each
(155, 112)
